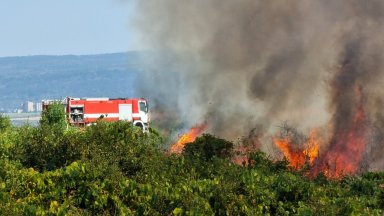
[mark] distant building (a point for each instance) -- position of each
(28, 106)
(38, 107)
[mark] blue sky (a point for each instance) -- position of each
(58, 27)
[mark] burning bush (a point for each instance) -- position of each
(297, 148)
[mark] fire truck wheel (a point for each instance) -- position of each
(139, 125)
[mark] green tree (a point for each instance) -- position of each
(54, 115)
(5, 123)
(208, 146)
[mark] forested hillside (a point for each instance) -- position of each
(50, 77)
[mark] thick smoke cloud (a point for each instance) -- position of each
(237, 64)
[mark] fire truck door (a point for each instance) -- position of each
(125, 112)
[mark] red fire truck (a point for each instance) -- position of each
(86, 111)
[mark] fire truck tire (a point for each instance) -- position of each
(138, 124)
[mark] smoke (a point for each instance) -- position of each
(237, 64)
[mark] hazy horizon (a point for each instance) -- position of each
(69, 54)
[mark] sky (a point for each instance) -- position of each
(60, 27)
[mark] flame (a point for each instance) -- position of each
(313, 145)
(188, 137)
(344, 154)
(241, 156)
(297, 157)
(346, 148)
(249, 144)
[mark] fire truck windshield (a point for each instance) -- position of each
(143, 107)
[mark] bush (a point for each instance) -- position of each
(7, 136)
(207, 146)
(47, 147)
(54, 115)
(5, 123)
(115, 169)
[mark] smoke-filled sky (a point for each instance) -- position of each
(238, 64)
(65, 27)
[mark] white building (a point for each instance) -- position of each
(28, 106)
(38, 107)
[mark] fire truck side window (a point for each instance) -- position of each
(143, 107)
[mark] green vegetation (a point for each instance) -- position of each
(54, 115)
(115, 169)
(5, 123)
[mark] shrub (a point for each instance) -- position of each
(47, 147)
(5, 123)
(115, 169)
(208, 146)
(54, 115)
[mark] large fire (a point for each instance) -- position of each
(341, 154)
(188, 137)
(347, 147)
(299, 156)
(345, 151)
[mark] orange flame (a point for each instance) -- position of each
(188, 137)
(347, 147)
(297, 157)
(313, 145)
(345, 151)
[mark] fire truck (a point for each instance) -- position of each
(86, 111)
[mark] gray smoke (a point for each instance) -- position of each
(237, 64)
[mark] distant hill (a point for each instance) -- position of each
(35, 78)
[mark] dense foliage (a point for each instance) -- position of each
(54, 115)
(115, 169)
